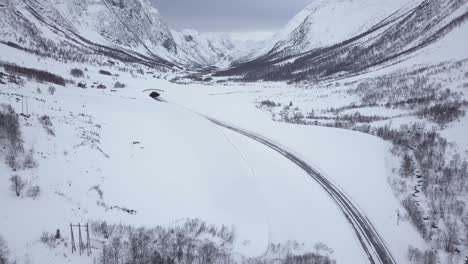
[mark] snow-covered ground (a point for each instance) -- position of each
(167, 163)
(359, 164)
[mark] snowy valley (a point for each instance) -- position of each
(342, 139)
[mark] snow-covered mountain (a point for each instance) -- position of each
(131, 31)
(210, 49)
(339, 37)
(327, 22)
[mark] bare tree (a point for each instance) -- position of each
(51, 90)
(450, 235)
(116, 245)
(17, 184)
(430, 257)
(4, 252)
(414, 254)
(208, 253)
(407, 166)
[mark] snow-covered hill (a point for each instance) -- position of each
(341, 37)
(327, 22)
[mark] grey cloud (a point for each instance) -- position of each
(229, 15)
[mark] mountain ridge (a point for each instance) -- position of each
(409, 28)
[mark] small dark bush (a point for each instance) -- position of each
(29, 162)
(47, 124)
(77, 73)
(51, 90)
(119, 85)
(82, 85)
(268, 103)
(103, 72)
(33, 191)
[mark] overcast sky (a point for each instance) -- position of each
(242, 17)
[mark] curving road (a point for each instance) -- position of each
(371, 242)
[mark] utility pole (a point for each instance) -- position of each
(73, 246)
(81, 244)
(80, 238)
(27, 107)
(88, 240)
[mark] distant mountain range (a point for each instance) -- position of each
(131, 30)
(327, 38)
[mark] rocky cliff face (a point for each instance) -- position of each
(133, 27)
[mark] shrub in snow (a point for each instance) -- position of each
(51, 90)
(45, 237)
(11, 160)
(29, 162)
(10, 135)
(49, 239)
(38, 90)
(119, 85)
(82, 85)
(103, 72)
(443, 113)
(57, 234)
(17, 184)
(417, 256)
(268, 103)
(77, 73)
(415, 215)
(407, 166)
(4, 252)
(47, 124)
(33, 191)
(38, 75)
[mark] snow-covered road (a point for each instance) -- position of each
(371, 242)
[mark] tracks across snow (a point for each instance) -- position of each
(370, 240)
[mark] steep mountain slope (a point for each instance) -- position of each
(129, 30)
(211, 49)
(132, 31)
(324, 23)
(397, 34)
